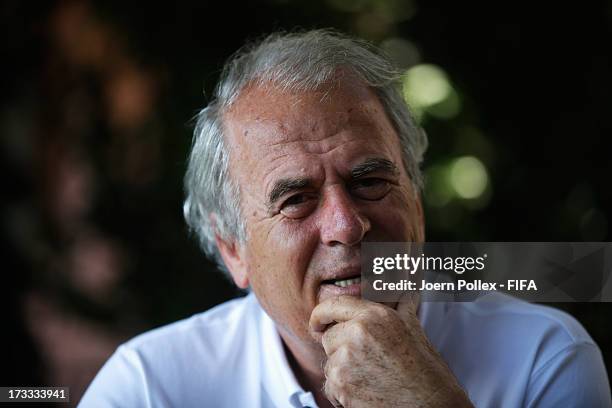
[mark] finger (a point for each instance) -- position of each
(330, 394)
(330, 338)
(336, 336)
(337, 377)
(335, 390)
(354, 335)
(337, 364)
(335, 310)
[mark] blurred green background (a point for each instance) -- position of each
(95, 121)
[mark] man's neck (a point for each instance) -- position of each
(307, 366)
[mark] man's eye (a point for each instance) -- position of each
(299, 205)
(296, 199)
(370, 188)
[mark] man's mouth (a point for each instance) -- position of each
(346, 285)
(344, 282)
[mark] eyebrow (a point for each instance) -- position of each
(374, 165)
(287, 185)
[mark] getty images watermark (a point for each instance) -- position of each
(464, 271)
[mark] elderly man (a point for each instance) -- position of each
(306, 150)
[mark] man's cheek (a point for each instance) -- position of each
(296, 251)
(401, 224)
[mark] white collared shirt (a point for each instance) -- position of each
(506, 353)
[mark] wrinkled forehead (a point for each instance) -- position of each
(268, 116)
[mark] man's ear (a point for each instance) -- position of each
(235, 261)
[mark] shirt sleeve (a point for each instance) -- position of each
(120, 383)
(573, 377)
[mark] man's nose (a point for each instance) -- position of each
(342, 222)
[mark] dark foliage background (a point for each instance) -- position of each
(94, 121)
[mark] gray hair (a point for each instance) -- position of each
(299, 61)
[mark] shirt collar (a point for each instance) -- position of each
(278, 378)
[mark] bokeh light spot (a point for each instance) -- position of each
(468, 177)
(425, 85)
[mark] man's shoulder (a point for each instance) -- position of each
(515, 328)
(506, 314)
(208, 330)
(527, 352)
(180, 362)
